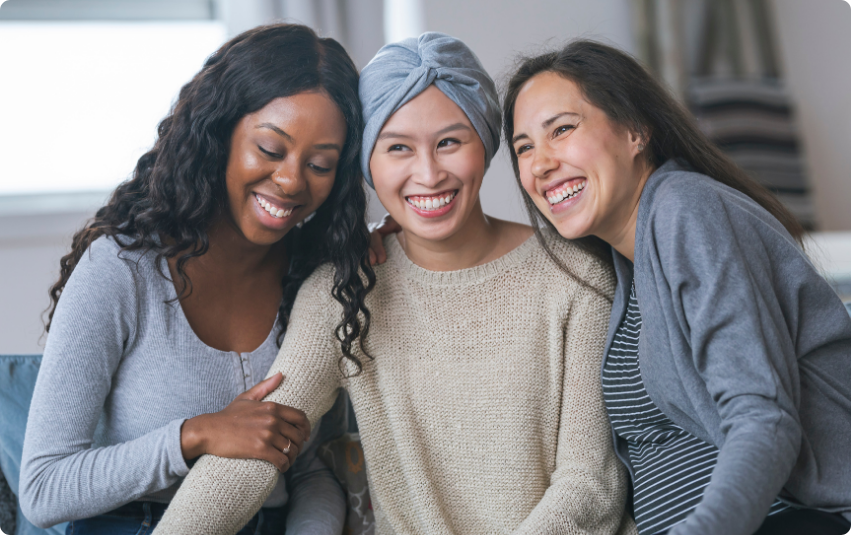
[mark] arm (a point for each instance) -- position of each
(317, 505)
(719, 271)
(62, 477)
(220, 495)
(587, 493)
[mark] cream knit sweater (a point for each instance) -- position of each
(482, 411)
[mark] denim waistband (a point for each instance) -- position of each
(140, 510)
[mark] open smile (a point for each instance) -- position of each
(432, 205)
(273, 207)
(565, 191)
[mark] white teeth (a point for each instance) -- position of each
(431, 203)
(273, 210)
(566, 194)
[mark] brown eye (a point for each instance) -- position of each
(562, 129)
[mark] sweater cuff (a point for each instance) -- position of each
(175, 453)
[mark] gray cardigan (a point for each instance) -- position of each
(744, 346)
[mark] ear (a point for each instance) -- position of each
(639, 140)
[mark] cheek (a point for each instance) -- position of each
(387, 177)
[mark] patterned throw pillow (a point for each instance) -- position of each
(344, 456)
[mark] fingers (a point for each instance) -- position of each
(293, 417)
(287, 447)
(275, 456)
(263, 388)
(388, 226)
(377, 254)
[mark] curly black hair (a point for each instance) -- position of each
(178, 189)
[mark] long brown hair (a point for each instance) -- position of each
(620, 86)
(178, 187)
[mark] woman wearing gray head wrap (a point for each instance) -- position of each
(479, 405)
(401, 71)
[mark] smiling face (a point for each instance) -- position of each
(282, 163)
(582, 170)
(427, 166)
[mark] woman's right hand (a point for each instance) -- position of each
(249, 428)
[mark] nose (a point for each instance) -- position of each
(290, 177)
(543, 161)
(428, 172)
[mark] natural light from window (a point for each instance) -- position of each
(80, 102)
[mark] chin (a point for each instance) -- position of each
(434, 232)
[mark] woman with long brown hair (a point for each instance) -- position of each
(727, 374)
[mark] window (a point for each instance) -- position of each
(81, 99)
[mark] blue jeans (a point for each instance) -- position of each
(140, 518)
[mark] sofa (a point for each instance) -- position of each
(17, 380)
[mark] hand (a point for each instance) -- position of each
(249, 428)
(377, 232)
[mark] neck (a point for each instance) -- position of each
(230, 252)
(621, 235)
(471, 246)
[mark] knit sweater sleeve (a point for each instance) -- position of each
(587, 490)
(219, 496)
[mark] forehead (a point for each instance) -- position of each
(310, 107)
(545, 95)
(429, 110)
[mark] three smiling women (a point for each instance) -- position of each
(474, 363)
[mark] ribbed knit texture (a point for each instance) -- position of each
(482, 411)
(122, 370)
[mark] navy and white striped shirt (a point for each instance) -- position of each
(672, 467)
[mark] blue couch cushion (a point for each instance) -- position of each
(17, 381)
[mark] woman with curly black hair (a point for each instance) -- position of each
(174, 299)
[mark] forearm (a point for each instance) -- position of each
(580, 501)
(57, 486)
(752, 468)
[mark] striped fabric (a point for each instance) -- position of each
(672, 468)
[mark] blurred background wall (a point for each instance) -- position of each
(86, 81)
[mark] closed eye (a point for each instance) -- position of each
(270, 154)
(318, 169)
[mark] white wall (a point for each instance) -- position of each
(30, 249)
(815, 45)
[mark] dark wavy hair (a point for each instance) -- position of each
(620, 86)
(178, 187)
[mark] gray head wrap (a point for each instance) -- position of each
(401, 71)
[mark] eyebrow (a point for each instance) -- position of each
(546, 124)
(277, 130)
(450, 128)
(321, 146)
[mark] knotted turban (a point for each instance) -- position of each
(401, 71)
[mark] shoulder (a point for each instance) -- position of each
(315, 298)
(588, 272)
(685, 198)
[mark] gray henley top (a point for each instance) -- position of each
(122, 370)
